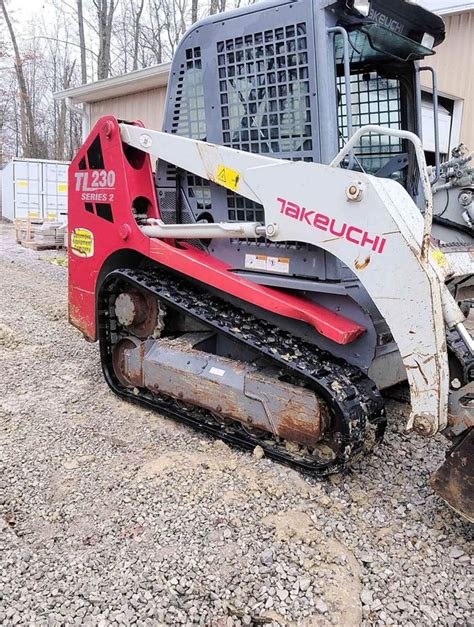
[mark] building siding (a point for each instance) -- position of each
(453, 63)
(147, 106)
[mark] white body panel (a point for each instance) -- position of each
(369, 223)
(34, 188)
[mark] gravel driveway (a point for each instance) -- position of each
(110, 514)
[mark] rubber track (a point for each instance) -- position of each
(356, 404)
(460, 351)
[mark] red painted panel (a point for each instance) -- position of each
(92, 188)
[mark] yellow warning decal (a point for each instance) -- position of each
(439, 258)
(82, 242)
(228, 177)
(22, 183)
(62, 187)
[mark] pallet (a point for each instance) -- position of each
(35, 246)
(38, 234)
(24, 229)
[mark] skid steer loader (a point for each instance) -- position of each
(282, 264)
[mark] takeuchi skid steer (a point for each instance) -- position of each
(280, 268)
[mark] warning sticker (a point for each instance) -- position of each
(228, 177)
(217, 371)
(62, 187)
(82, 242)
(267, 264)
(439, 258)
(22, 183)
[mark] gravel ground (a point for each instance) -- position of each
(110, 514)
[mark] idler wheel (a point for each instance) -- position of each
(137, 312)
(118, 360)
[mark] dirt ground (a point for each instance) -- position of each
(110, 514)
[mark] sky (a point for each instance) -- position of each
(22, 10)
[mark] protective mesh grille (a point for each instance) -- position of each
(264, 91)
(242, 209)
(375, 100)
(265, 102)
(167, 200)
(198, 189)
(189, 119)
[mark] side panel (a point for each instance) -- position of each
(8, 202)
(27, 189)
(103, 185)
(54, 190)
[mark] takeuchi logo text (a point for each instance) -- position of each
(321, 221)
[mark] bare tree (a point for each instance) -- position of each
(136, 33)
(29, 138)
(152, 32)
(82, 41)
(105, 16)
(194, 11)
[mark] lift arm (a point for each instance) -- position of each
(370, 224)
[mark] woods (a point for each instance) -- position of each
(54, 45)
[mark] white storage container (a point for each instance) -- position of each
(35, 188)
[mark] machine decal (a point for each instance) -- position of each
(98, 185)
(321, 221)
(82, 242)
(439, 258)
(217, 371)
(228, 177)
(267, 263)
(388, 22)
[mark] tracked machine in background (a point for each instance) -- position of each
(283, 264)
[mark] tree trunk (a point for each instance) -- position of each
(136, 34)
(82, 42)
(194, 11)
(105, 16)
(28, 134)
(68, 71)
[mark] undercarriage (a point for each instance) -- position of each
(301, 406)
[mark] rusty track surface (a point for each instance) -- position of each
(356, 409)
